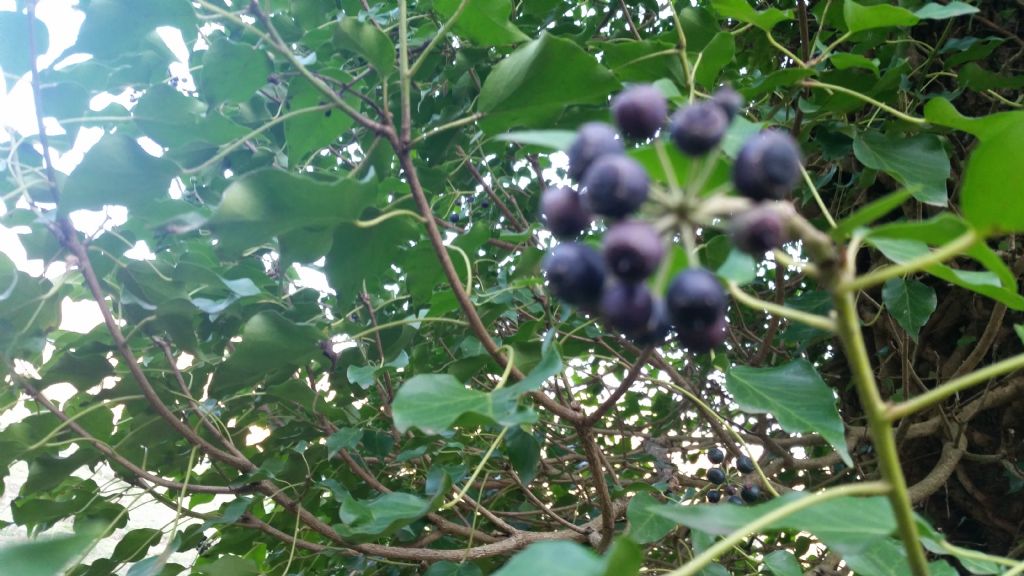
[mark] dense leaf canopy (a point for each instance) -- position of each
(326, 345)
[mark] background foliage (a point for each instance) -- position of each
(430, 409)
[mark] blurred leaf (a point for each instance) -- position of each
(870, 212)
(232, 72)
(992, 184)
(860, 17)
(936, 11)
(368, 42)
(918, 160)
(482, 22)
(44, 557)
(269, 342)
(783, 563)
(15, 57)
(117, 171)
(644, 525)
(553, 139)
(910, 303)
(741, 10)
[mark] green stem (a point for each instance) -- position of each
(453, 124)
(725, 544)
(813, 320)
(881, 432)
(936, 395)
(954, 248)
(441, 35)
(403, 64)
(480, 467)
(833, 87)
(817, 196)
(387, 216)
(789, 54)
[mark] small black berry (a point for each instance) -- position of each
(716, 475)
(695, 299)
(735, 500)
(758, 230)
(729, 100)
(485, 204)
(716, 456)
(632, 250)
(454, 218)
(751, 493)
(627, 307)
(616, 185)
(698, 128)
(714, 496)
(640, 111)
(702, 339)
(744, 464)
(730, 490)
(593, 140)
(768, 166)
(575, 273)
(563, 212)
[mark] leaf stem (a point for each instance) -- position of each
(479, 468)
(936, 395)
(817, 196)
(813, 320)
(954, 248)
(724, 545)
(881, 105)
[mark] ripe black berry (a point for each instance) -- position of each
(703, 338)
(698, 128)
(632, 250)
(751, 493)
(563, 212)
(575, 273)
(593, 140)
(616, 185)
(729, 100)
(454, 218)
(627, 307)
(716, 475)
(768, 166)
(695, 299)
(716, 456)
(730, 490)
(714, 496)
(758, 230)
(744, 464)
(485, 204)
(640, 111)
(735, 500)
(658, 326)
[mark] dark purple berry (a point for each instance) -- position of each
(698, 128)
(658, 326)
(730, 490)
(627, 307)
(751, 493)
(454, 218)
(768, 166)
(575, 273)
(563, 212)
(593, 140)
(714, 496)
(758, 230)
(640, 111)
(616, 185)
(695, 299)
(729, 100)
(632, 250)
(704, 338)
(744, 464)
(735, 500)
(716, 456)
(716, 475)
(485, 204)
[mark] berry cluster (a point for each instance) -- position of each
(749, 493)
(613, 281)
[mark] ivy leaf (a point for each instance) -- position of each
(230, 565)
(796, 395)
(117, 171)
(870, 212)
(1019, 328)
(14, 53)
(572, 559)
(936, 11)
(44, 557)
(232, 72)
(452, 569)
(910, 302)
(367, 41)
(644, 525)
(941, 112)
(552, 139)
(783, 563)
(270, 342)
(540, 80)
(307, 133)
(919, 160)
(483, 22)
(992, 184)
(742, 11)
(859, 17)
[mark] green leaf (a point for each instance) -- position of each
(14, 53)
(919, 160)
(992, 184)
(270, 342)
(936, 11)
(232, 72)
(859, 17)
(625, 558)
(977, 78)
(116, 28)
(452, 569)
(307, 133)
(742, 11)
(714, 57)
(783, 563)
(846, 60)
(910, 303)
(380, 245)
(1019, 328)
(738, 267)
(47, 557)
(534, 84)
(230, 565)
(262, 204)
(134, 545)
(796, 395)
(645, 526)
(342, 439)
(367, 41)
(117, 171)
(383, 515)
(523, 451)
(870, 212)
(554, 559)
(865, 521)
(553, 139)
(174, 120)
(482, 22)
(941, 112)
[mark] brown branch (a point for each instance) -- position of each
(944, 468)
(604, 497)
(988, 337)
(513, 221)
(626, 383)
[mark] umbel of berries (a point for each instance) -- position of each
(768, 166)
(640, 111)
